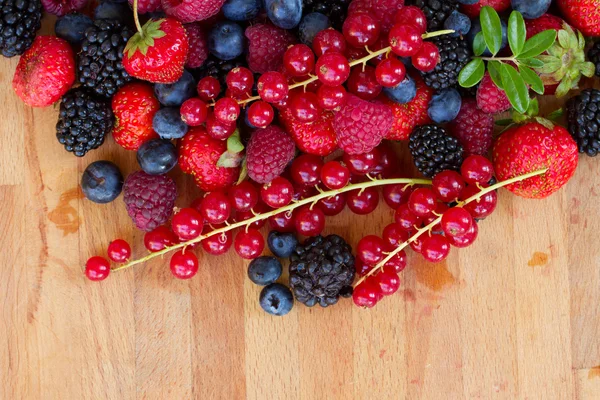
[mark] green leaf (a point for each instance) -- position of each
(479, 44)
(234, 143)
(491, 28)
(515, 88)
(243, 171)
(531, 62)
(538, 44)
(494, 68)
(544, 122)
(516, 32)
(563, 88)
(556, 114)
(587, 69)
(580, 41)
(550, 64)
(563, 38)
(532, 79)
(472, 73)
(534, 108)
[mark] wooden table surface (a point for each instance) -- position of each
(515, 316)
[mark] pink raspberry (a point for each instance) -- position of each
(62, 7)
(192, 10)
(147, 6)
(198, 45)
(490, 98)
(268, 152)
(266, 45)
(361, 125)
(473, 128)
(149, 199)
(383, 10)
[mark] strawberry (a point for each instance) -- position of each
(159, 52)
(45, 72)
(316, 137)
(582, 14)
(543, 23)
(473, 10)
(530, 147)
(490, 98)
(134, 106)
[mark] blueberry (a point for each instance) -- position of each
(71, 27)
(476, 28)
(168, 124)
(312, 24)
(226, 40)
(276, 299)
(157, 156)
(282, 244)
(444, 106)
(113, 10)
(459, 23)
(285, 14)
(403, 92)
(241, 10)
(531, 9)
(174, 94)
(102, 182)
(264, 270)
(468, 2)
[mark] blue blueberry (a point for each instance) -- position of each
(264, 270)
(282, 244)
(407, 61)
(241, 10)
(276, 299)
(72, 27)
(444, 106)
(403, 92)
(468, 2)
(459, 22)
(174, 94)
(226, 40)
(157, 156)
(312, 24)
(285, 14)
(113, 10)
(476, 28)
(168, 124)
(531, 9)
(101, 182)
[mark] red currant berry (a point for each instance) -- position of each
(283, 222)
(215, 208)
(370, 249)
(422, 202)
(306, 170)
(97, 268)
(426, 59)
(278, 193)
(260, 114)
(240, 81)
(119, 251)
(477, 169)
(361, 164)
(356, 53)
(361, 268)
(332, 205)
(335, 175)
(250, 244)
(218, 129)
(456, 222)
(329, 40)
(363, 202)
(272, 87)
(304, 107)
(405, 40)
(227, 110)
(184, 264)
(395, 195)
(390, 72)
(309, 222)
(387, 163)
(417, 244)
(194, 111)
(482, 207)
(398, 261)
(362, 82)
(187, 224)
(159, 238)
(332, 69)
(209, 88)
(299, 60)
(465, 240)
(367, 294)
(406, 218)
(412, 15)
(243, 197)
(360, 29)
(440, 209)
(435, 248)
(302, 192)
(331, 97)
(388, 281)
(393, 236)
(218, 244)
(380, 44)
(447, 185)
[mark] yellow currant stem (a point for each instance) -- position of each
(136, 18)
(288, 208)
(428, 228)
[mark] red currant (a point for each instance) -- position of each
(304, 106)
(218, 244)
(380, 44)
(456, 222)
(335, 175)
(272, 86)
(208, 88)
(387, 164)
(465, 240)
(299, 60)
(440, 209)
(97, 268)
(370, 249)
(332, 205)
(302, 192)
(360, 29)
(250, 244)
(422, 202)
(361, 164)
(361, 268)
(362, 82)
(398, 261)
(447, 185)
(184, 264)
(435, 248)
(159, 238)
(395, 195)
(218, 129)
(388, 281)
(240, 81)
(477, 169)
(405, 40)
(194, 111)
(227, 110)
(119, 251)
(306, 169)
(393, 236)
(187, 224)
(412, 15)
(331, 97)
(390, 72)
(283, 222)
(309, 222)
(356, 53)
(426, 58)
(406, 218)
(215, 208)
(417, 244)
(332, 69)
(482, 207)
(243, 197)
(364, 201)
(367, 294)
(260, 114)
(329, 40)
(278, 193)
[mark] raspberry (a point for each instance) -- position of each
(147, 6)
(62, 7)
(473, 10)
(266, 46)
(316, 137)
(268, 152)
(149, 199)
(198, 45)
(384, 11)
(192, 10)
(473, 128)
(361, 125)
(490, 98)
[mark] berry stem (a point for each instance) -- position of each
(429, 35)
(511, 59)
(288, 208)
(136, 18)
(427, 228)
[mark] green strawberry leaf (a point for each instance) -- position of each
(494, 68)
(550, 64)
(538, 44)
(556, 114)
(143, 41)
(587, 69)
(531, 62)
(532, 79)
(563, 38)
(234, 143)
(565, 85)
(243, 172)
(491, 28)
(515, 88)
(479, 44)
(472, 73)
(516, 32)
(534, 108)
(580, 41)
(544, 122)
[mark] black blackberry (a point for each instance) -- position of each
(19, 21)
(583, 114)
(434, 150)
(454, 55)
(322, 270)
(436, 11)
(83, 121)
(335, 10)
(594, 56)
(99, 63)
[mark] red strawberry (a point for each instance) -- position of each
(582, 14)
(317, 137)
(45, 72)
(62, 7)
(147, 6)
(543, 23)
(490, 98)
(530, 147)
(158, 53)
(266, 45)
(473, 128)
(268, 153)
(198, 156)
(192, 10)
(473, 10)
(383, 10)
(198, 45)
(134, 106)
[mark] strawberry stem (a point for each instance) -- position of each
(136, 18)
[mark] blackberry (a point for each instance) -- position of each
(583, 114)
(434, 150)
(219, 69)
(19, 21)
(335, 10)
(454, 55)
(83, 121)
(594, 56)
(322, 270)
(99, 64)
(436, 11)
